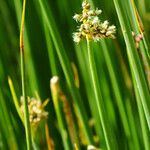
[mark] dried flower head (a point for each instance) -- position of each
(91, 27)
(137, 39)
(36, 110)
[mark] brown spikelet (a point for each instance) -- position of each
(55, 86)
(50, 142)
(69, 117)
(76, 75)
(83, 139)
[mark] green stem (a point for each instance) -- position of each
(26, 111)
(97, 92)
(31, 70)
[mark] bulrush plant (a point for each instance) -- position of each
(92, 29)
(99, 71)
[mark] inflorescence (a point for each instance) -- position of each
(91, 27)
(36, 110)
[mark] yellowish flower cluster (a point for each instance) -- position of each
(91, 27)
(36, 110)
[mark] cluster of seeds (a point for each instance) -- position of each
(91, 27)
(36, 110)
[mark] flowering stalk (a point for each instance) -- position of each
(92, 28)
(26, 111)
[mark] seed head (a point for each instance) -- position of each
(36, 110)
(91, 27)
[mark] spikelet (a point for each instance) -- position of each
(66, 108)
(36, 110)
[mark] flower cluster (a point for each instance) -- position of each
(36, 110)
(91, 27)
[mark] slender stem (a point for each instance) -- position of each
(26, 111)
(97, 93)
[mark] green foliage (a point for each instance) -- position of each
(106, 83)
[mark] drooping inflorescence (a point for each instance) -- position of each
(91, 27)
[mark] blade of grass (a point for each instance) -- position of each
(6, 122)
(144, 126)
(51, 51)
(98, 96)
(116, 88)
(14, 96)
(134, 139)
